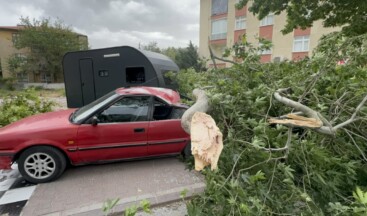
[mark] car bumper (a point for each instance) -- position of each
(6, 161)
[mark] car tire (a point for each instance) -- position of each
(186, 152)
(41, 164)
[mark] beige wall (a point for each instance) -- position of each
(6, 50)
(205, 26)
(282, 44)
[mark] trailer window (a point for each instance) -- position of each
(135, 75)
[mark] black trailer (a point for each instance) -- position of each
(91, 74)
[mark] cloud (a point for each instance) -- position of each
(116, 22)
(10, 12)
(131, 38)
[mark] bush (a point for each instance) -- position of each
(317, 171)
(21, 105)
(8, 83)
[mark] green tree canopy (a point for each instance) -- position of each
(351, 14)
(46, 42)
(188, 58)
(152, 46)
(185, 58)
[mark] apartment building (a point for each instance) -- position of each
(8, 36)
(222, 25)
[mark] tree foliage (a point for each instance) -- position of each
(351, 14)
(189, 58)
(46, 42)
(20, 105)
(152, 46)
(185, 58)
(313, 174)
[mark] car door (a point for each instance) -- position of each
(121, 131)
(166, 135)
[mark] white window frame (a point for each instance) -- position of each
(304, 42)
(265, 52)
(222, 33)
(240, 23)
(268, 20)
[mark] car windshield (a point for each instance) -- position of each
(89, 109)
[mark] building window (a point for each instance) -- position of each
(240, 23)
(135, 75)
(265, 51)
(45, 78)
(268, 20)
(219, 29)
(219, 7)
(301, 43)
(21, 56)
(22, 77)
(15, 37)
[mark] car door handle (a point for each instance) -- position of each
(139, 130)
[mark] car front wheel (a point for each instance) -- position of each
(41, 164)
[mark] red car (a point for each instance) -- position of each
(127, 123)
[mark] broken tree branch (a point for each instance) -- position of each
(315, 120)
(201, 105)
(213, 57)
(355, 144)
(353, 117)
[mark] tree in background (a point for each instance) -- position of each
(46, 42)
(152, 46)
(185, 58)
(171, 52)
(352, 14)
(188, 58)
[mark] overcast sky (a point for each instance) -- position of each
(115, 22)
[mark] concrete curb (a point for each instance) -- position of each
(159, 198)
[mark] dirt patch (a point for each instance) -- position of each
(60, 102)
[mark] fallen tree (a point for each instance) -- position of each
(310, 161)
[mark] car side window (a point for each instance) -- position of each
(161, 111)
(128, 109)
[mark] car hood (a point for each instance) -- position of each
(49, 121)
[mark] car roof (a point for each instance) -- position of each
(167, 95)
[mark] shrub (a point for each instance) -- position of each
(21, 105)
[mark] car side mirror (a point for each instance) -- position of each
(94, 121)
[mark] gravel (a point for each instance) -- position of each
(60, 103)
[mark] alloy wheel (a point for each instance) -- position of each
(39, 165)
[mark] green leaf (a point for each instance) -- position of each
(145, 204)
(360, 196)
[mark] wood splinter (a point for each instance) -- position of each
(296, 120)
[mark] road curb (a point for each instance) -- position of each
(156, 199)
